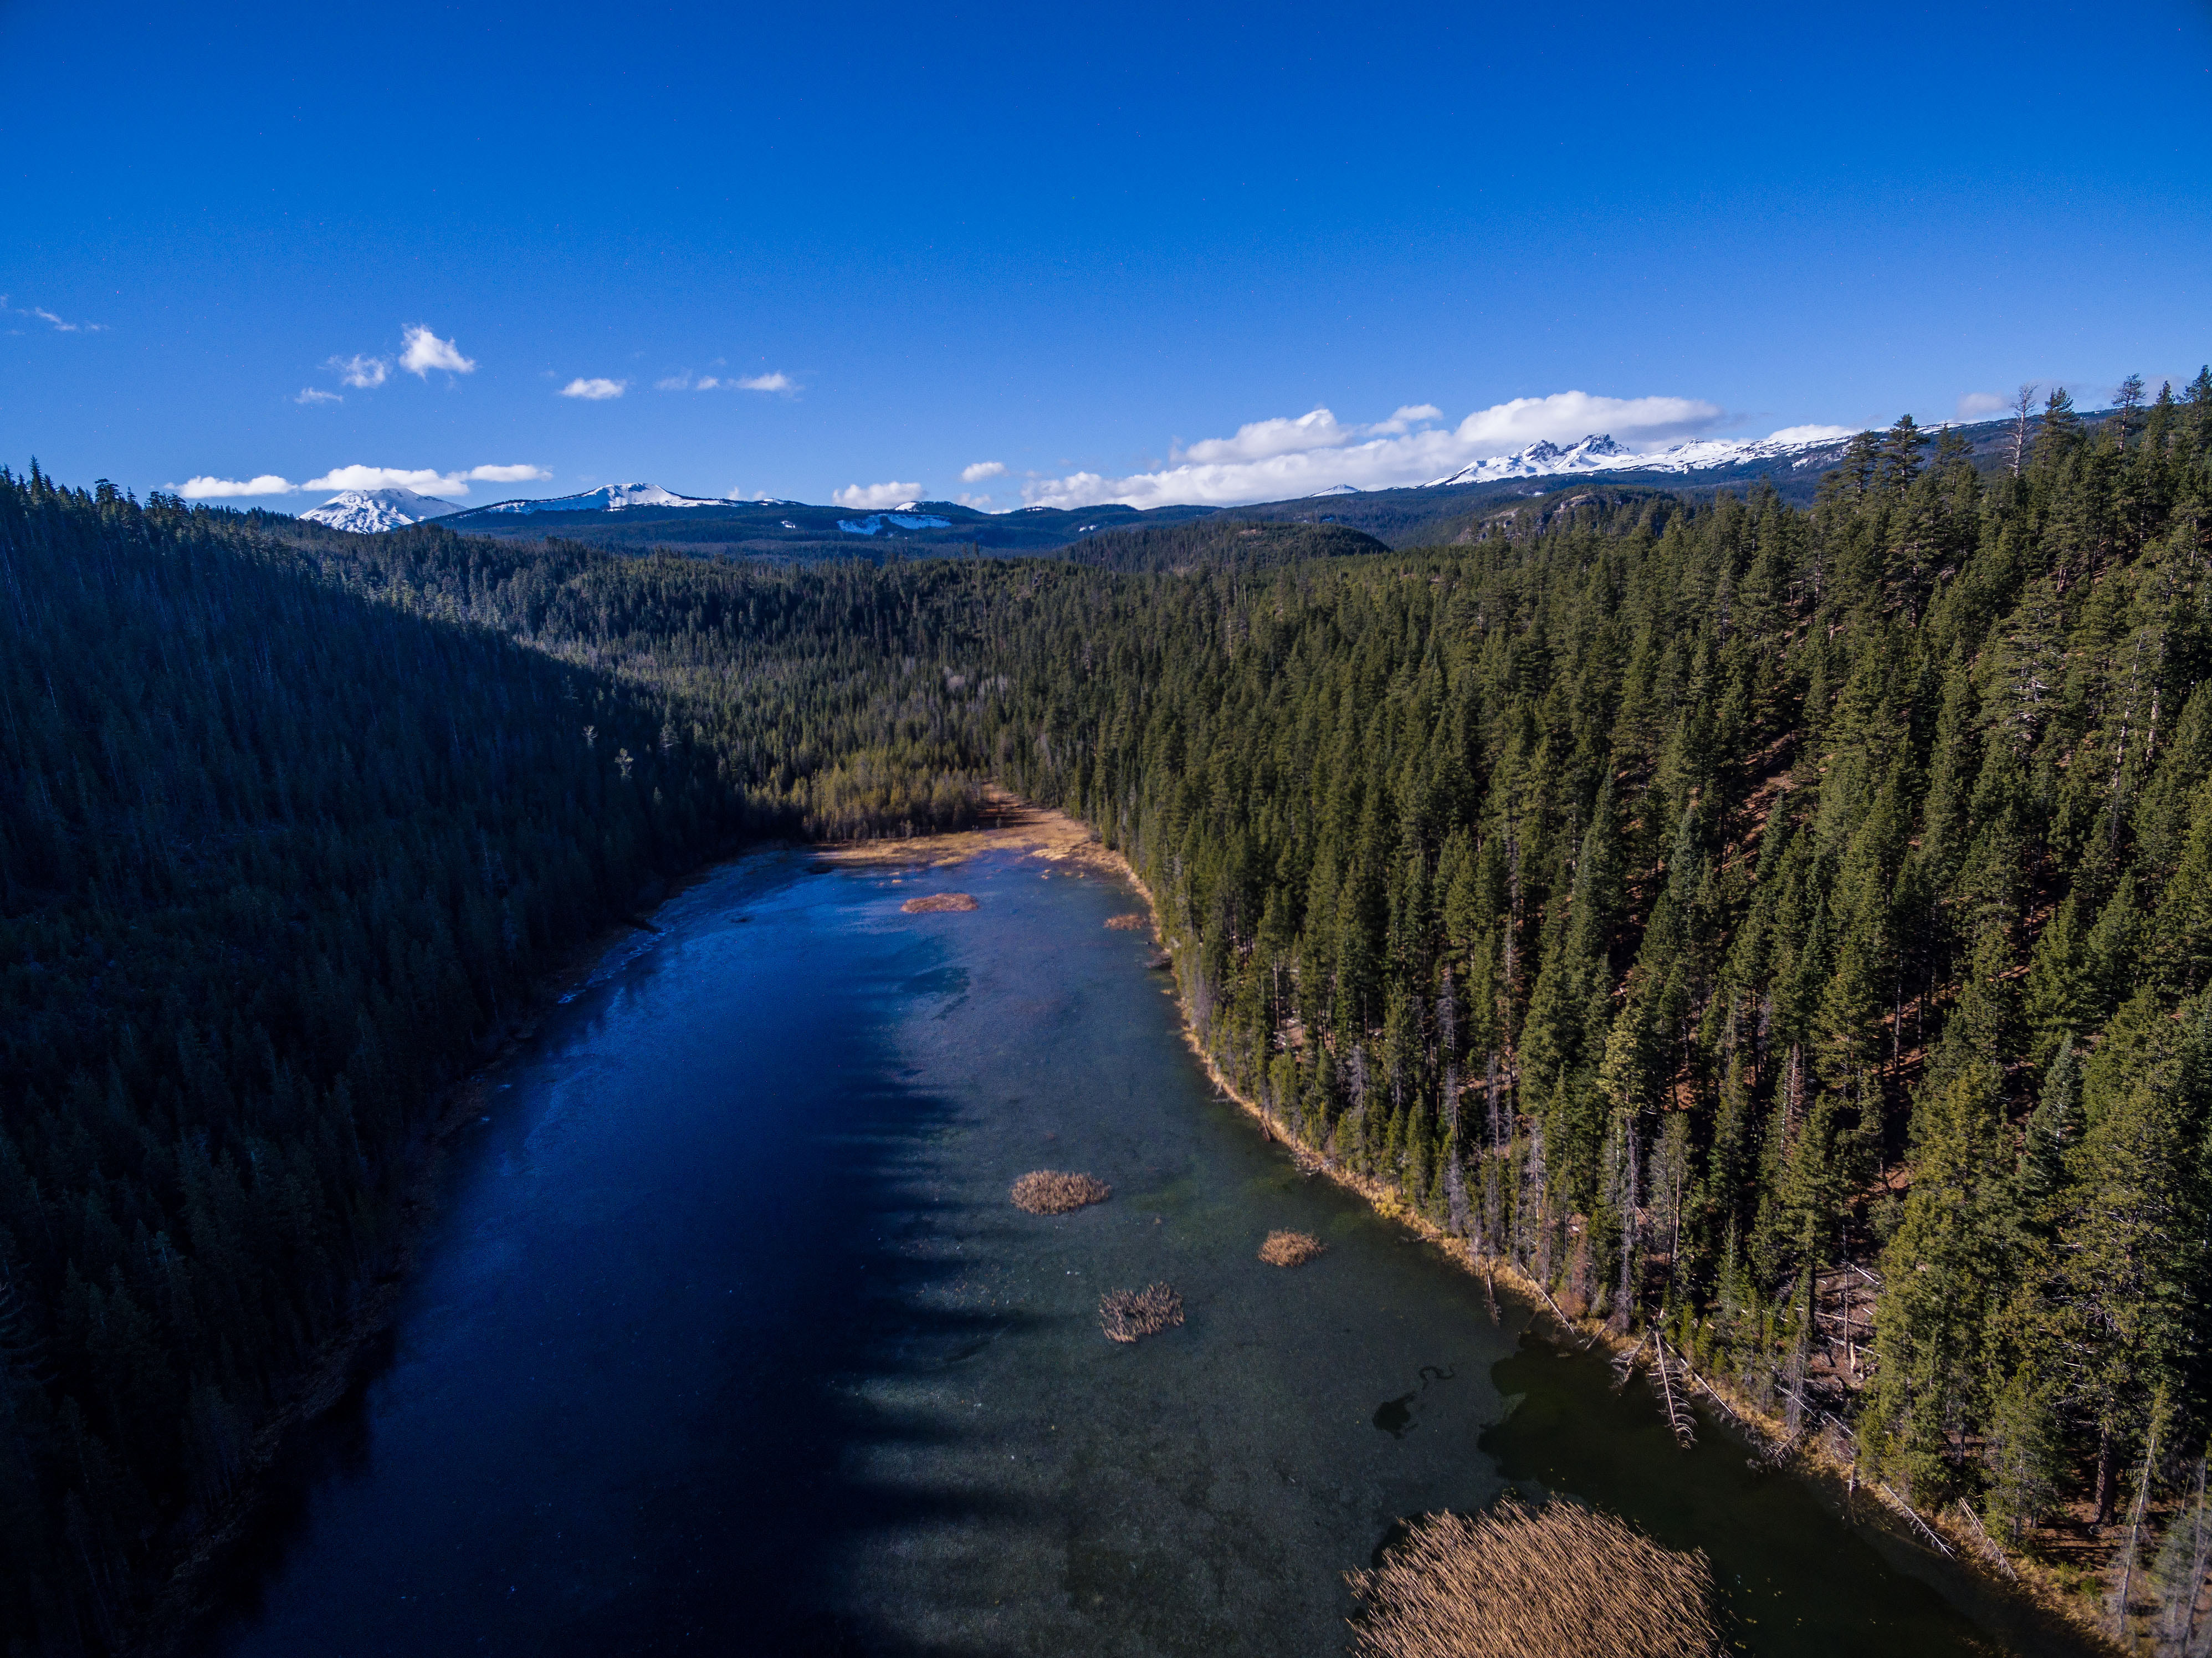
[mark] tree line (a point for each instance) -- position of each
(1790, 930)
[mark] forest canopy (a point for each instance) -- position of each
(1790, 930)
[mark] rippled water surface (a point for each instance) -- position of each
(729, 1341)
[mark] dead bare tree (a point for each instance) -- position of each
(2023, 407)
(1624, 1364)
(1674, 1391)
(1934, 1537)
(2134, 1525)
(1995, 1555)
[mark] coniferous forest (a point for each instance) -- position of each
(1786, 931)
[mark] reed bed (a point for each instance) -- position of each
(1049, 1192)
(1291, 1249)
(1133, 921)
(938, 904)
(1511, 1584)
(1125, 1314)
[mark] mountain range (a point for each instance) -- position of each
(640, 516)
(1600, 452)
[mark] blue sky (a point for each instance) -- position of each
(1116, 252)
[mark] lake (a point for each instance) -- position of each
(728, 1340)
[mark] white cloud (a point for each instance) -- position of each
(775, 382)
(981, 503)
(1262, 440)
(1286, 457)
(425, 352)
(982, 470)
(422, 479)
(56, 324)
(875, 497)
(1811, 433)
(1407, 417)
(308, 394)
(366, 373)
(206, 489)
(1975, 404)
(507, 474)
(594, 389)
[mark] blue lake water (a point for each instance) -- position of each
(728, 1340)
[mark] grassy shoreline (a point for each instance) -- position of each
(1809, 1459)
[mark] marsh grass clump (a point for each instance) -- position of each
(1291, 1249)
(1049, 1192)
(1125, 1314)
(939, 903)
(1509, 1583)
(1130, 923)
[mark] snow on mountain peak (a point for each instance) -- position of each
(1599, 452)
(612, 498)
(367, 512)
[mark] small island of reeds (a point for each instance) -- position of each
(1125, 1314)
(1049, 1192)
(1291, 1249)
(1130, 923)
(1511, 1582)
(938, 904)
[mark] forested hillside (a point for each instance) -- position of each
(1788, 930)
(1225, 542)
(276, 858)
(1743, 920)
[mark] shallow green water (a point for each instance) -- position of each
(729, 1339)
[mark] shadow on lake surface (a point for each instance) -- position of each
(729, 1341)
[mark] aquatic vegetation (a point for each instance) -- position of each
(1049, 1192)
(1127, 1314)
(938, 904)
(1291, 1249)
(1133, 922)
(1511, 1583)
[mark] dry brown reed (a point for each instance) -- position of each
(939, 903)
(1510, 1584)
(1124, 1314)
(1049, 1192)
(1130, 923)
(1291, 1249)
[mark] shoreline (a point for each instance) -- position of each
(1029, 830)
(1056, 836)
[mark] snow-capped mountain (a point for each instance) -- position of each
(612, 498)
(365, 512)
(1599, 452)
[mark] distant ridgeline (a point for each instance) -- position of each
(1790, 928)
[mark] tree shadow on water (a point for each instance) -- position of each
(731, 1475)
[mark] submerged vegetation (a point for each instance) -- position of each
(1509, 1582)
(1289, 1248)
(940, 903)
(1783, 933)
(1047, 1191)
(1131, 1315)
